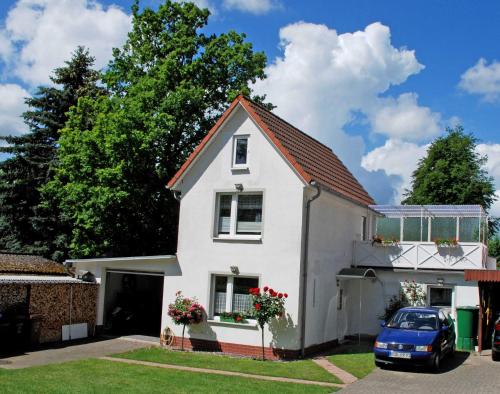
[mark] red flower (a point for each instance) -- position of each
(286, 295)
(280, 295)
(266, 288)
(257, 307)
(238, 318)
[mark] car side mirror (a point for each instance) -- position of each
(444, 328)
(382, 324)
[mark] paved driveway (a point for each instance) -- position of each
(72, 351)
(463, 374)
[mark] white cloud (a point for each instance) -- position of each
(325, 81)
(324, 77)
(257, 7)
(40, 34)
(404, 118)
(11, 107)
(397, 158)
(482, 79)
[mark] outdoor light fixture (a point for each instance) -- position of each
(235, 270)
(239, 187)
(440, 281)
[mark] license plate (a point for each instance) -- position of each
(399, 355)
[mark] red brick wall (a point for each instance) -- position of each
(247, 350)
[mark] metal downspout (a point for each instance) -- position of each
(304, 270)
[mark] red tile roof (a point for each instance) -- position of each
(312, 160)
(482, 275)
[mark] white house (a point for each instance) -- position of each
(262, 203)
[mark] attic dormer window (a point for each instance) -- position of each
(240, 152)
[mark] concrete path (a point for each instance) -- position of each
(463, 374)
(344, 376)
(218, 372)
(71, 352)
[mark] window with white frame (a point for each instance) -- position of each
(239, 214)
(440, 296)
(240, 151)
(231, 293)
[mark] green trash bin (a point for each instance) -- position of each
(466, 327)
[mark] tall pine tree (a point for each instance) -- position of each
(24, 225)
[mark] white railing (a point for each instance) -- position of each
(421, 255)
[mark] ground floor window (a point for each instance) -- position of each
(231, 293)
(440, 296)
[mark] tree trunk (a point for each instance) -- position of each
(182, 344)
(262, 331)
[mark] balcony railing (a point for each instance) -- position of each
(421, 255)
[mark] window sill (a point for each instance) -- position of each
(238, 238)
(240, 169)
(251, 324)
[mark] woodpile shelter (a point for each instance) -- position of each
(40, 302)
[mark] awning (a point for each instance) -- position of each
(482, 275)
(356, 273)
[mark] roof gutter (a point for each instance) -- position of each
(305, 268)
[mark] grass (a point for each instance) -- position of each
(357, 360)
(99, 376)
(302, 369)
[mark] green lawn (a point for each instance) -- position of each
(302, 369)
(99, 376)
(357, 360)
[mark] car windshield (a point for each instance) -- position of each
(414, 320)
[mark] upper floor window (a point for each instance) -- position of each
(240, 151)
(239, 213)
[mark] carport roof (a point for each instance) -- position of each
(482, 275)
(104, 260)
(39, 279)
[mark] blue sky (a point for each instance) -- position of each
(374, 80)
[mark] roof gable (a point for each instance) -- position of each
(312, 160)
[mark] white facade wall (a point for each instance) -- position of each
(375, 294)
(334, 225)
(275, 259)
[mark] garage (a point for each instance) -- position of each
(130, 300)
(133, 302)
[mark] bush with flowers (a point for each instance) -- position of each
(413, 293)
(266, 305)
(185, 311)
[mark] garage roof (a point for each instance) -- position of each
(482, 275)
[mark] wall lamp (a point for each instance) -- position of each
(239, 187)
(235, 270)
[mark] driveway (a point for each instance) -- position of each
(463, 374)
(72, 351)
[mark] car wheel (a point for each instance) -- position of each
(495, 356)
(380, 365)
(436, 363)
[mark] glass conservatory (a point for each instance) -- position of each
(426, 237)
(431, 223)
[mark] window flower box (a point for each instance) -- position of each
(381, 242)
(446, 243)
(232, 317)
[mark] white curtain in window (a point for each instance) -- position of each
(219, 302)
(242, 302)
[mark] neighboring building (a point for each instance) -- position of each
(40, 302)
(262, 203)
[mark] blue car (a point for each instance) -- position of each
(415, 336)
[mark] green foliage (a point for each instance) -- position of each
(494, 249)
(452, 172)
(25, 225)
(168, 85)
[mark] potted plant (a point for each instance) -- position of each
(446, 243)
(266, 305)
(378, 240)
(185, 311)
(232, 317)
